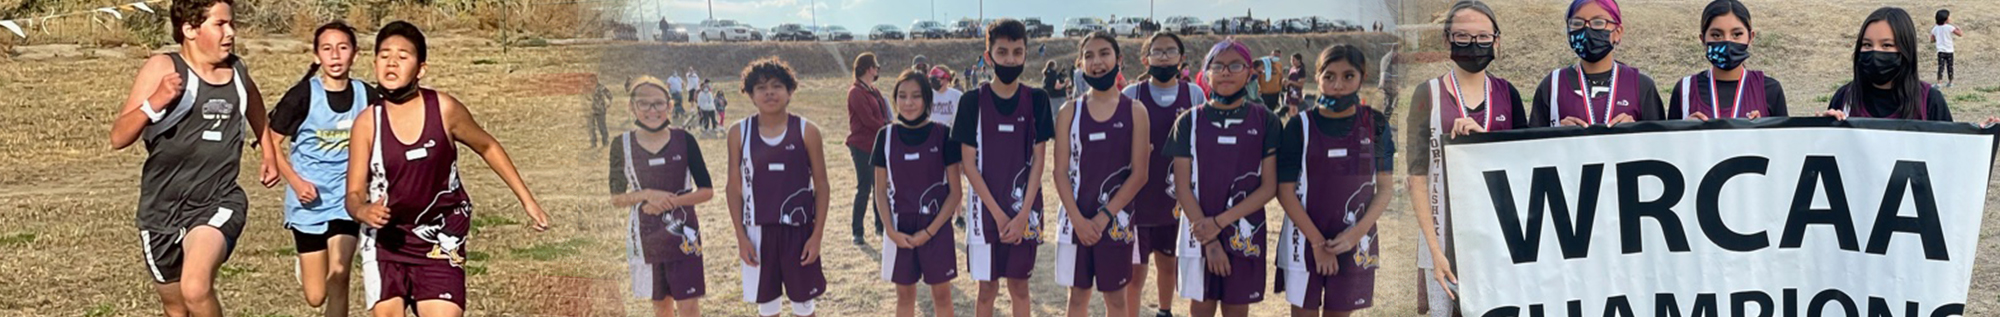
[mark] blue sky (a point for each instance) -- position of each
(859, 15)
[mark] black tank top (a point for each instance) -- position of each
(191, 160)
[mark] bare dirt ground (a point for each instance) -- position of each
(1805, 44)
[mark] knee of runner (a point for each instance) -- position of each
(803, 308)
(771, 308)
(196, 293)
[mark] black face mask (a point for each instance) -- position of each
(1163, 73)
(1105, 82)
(1727, 55)
(1591, 44)
(1338, 104)
(1007, 74)
(1219, 98)
(1879, 67)
(1472, 57)
(642, 125)
(398, 95)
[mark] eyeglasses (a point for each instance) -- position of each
(1594, 24)
(1163, 52)
(1231, 67)
(1463, 38)
(652, 106)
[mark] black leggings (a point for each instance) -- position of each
(1945, 69)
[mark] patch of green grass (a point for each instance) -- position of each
(477, 256)
(482, 221)
(1969, 98)
(229, 271)
(282, 251)
(475, 270)
(101, 310)
(1988, 89)
(18, 238)
(1823, 98)
(552, 250)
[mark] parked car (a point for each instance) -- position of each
(1186, 25)
(1344, 26)
(1082, 26)
(1320, 24)
(1293, 26)
(729, 30)
(1038, 29)
(671, 32)
(885, 32)
(1129, 26)
(835, 33)
(966, 29)
(1241, 25)
(927, 30)
(792, 32)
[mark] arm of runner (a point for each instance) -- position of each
(817, 155)
(951, 200)
(361, 143)
(698, 171)
(1267, 188)
(882, 211)
(1142, 160)
(1066, 188)
(155, 84)
(745, 251)
(460, 126)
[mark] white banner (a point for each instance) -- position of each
(1797, 217)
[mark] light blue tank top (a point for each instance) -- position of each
(319, 154)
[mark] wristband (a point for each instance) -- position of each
(146, 106)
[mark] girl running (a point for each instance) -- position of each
(1465, 100)
(1165, 96)
(1598, 90)
(1107, 148)
(317, 114)
(1001, 129)
(192, 108)
(1731, 90)
(916, 176)
(1224, 172)
(1334, 159)
(403, 161)
(776, 179)
(658, 173)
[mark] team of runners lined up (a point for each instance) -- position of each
(1164, 172)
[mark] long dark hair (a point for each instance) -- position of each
(1908, 89)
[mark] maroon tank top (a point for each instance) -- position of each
(1155, 203)
(777, 175)
(429, 212)
(675, 234)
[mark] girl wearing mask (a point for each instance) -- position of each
(1598, 90)
(1728, 90)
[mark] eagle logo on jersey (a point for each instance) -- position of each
(446, 245)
